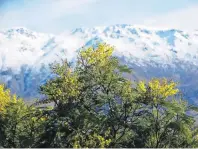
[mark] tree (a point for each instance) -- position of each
(20, 124)
(95, 106)
(168, 124)
(94, 99)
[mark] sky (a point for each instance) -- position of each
(56, 16)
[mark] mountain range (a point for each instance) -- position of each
(25, 55)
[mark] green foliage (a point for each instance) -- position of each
(170, 126)
(95, 106)
(20, 124)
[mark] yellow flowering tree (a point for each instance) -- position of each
(5, 97)
(20, 124)
(169, 125)
(87, 97)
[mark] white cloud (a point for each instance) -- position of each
(42, 13)
(58, 8)
(185, 18)
(57, 15)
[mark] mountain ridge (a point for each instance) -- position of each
(25, 54)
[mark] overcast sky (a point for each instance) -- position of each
(55, 16)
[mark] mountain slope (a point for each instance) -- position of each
(25, 55)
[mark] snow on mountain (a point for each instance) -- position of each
(25, 54)
(19, 46)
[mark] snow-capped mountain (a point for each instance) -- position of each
(25, 54)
